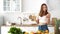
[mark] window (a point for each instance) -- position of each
(11, 5)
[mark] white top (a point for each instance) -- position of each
(42, 20)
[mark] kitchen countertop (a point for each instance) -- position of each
(27, 25)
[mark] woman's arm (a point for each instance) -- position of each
(37, 21)
(48, 17)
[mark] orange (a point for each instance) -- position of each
(39, 32)
(26, 33)
(31, 32)
(46, 31)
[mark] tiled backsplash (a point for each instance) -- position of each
(17, 17)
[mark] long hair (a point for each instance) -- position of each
(42, 13)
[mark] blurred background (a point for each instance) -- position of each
(15, 11)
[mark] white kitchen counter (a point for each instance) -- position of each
(5, 29)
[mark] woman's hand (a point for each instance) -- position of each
(37, 21)
(48, 17)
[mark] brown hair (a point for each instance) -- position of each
(42, 13)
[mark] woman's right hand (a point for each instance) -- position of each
(37, 21)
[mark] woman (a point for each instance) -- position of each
(44, 18)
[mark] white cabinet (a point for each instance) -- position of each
(11, 5)
(5, 29)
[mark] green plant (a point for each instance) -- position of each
(57, 23)
(14, 30)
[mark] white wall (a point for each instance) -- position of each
(29, 6)
(54, 7)
(1, 14)
(32, 6)
(12, 17)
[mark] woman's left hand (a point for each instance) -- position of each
(48, 16)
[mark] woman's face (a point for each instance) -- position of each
(44, 8)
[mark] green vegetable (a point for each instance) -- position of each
(14, 30)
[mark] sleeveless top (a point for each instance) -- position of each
(43, 20)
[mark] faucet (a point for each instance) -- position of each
(20, 19)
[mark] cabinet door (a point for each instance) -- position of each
(5, 29)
